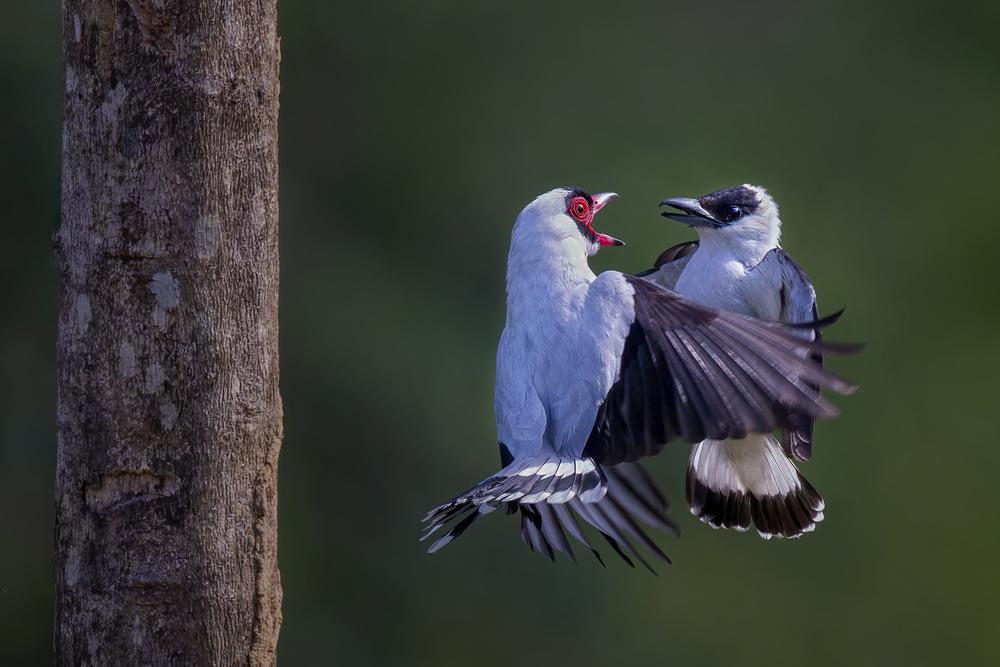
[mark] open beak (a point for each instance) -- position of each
(599, 201)
(693, 215)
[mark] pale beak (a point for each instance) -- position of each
(603, 198)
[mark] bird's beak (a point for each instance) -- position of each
(694, 214)
(599, 201)
(603, 198)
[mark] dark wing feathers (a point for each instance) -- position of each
(712, 409)
(675, 253)
(788, 377)
(798, 299)
(743, 394)
(692, 373)
(670, 264)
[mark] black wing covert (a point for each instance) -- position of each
(690, 372)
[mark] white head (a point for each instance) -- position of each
(743, 216)
(562, 216)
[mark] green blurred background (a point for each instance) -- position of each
(411, 136)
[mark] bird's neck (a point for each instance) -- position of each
(748, 249)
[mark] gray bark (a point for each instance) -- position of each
(169, 417)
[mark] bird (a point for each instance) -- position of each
(596, 372)
(738, 265)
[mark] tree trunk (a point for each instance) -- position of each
(169, 417)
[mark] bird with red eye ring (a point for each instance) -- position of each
(579, 208)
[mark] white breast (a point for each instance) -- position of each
(720, 280)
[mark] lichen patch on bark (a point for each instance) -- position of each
(166, 289)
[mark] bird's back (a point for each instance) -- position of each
(554, 369)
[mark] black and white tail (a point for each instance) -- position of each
(544, 490)
(733, 482)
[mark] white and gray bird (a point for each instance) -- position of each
(596, 372)
(737, 265)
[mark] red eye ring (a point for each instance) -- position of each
(579, 209)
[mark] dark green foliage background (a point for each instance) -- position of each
(411, 136)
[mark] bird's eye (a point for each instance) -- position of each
(578, 208)
(733, 213)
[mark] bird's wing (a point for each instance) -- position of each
(670, 264)
(798, 305)
(690, 372)
(520, 415)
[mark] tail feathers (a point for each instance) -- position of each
(542, 532)
(459, 528)
(631, 494)
(611, 499)
(731, 483)
(530, 480)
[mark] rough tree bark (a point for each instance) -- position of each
(169, 418)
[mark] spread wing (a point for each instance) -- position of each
(690, 372)
(670, 264)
